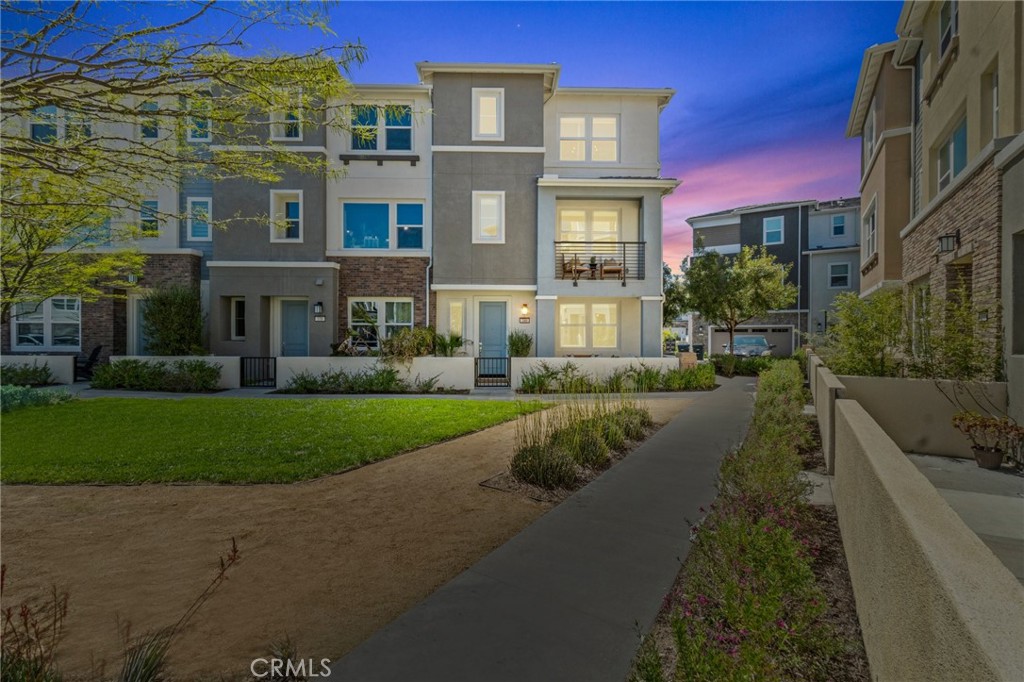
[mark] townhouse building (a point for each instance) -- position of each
(833, 235)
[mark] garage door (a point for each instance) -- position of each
(780, 335)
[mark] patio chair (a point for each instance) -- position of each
(612, 267)
(574, 268)
(83, 368)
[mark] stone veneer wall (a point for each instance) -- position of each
(381, 276)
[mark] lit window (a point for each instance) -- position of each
(604, 325)
(488, 114)
(286, 209)
(149, 223)
(488, 217)
(573, 325)
(953, 155)
(838, 225)
(579, 225)
(838, 275)
(456, 317)
(238, 319)
(149, 129)
(200, 212)
(55, 324)
(387, 128)
(588, 138)
(589, 326)
(774, 232)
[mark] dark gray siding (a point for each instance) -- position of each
(524, 108)
(794, 242)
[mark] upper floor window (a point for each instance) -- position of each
(198, 122)
(489, 114)
(149, 223)
(949, 25)
(54, 324)
(774, 230)
(838, 275)
(869, 231)
(588, 138)
(379, 225)
(149, 129)
(48, 124)
(868, 134)
(200, 212)
(43, 125)
(488, 217)
(287, 124)
(286, 212)
(579, 225)
(838, 225)
(952, 155)
(386, 128)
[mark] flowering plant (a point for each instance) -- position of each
(995, 434)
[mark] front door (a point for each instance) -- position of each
(493, 329)
(294, 328)
(141, 342)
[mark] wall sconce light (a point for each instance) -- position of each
(319, 281)
(819, 326)
(318, 308)
(949, 242)
(525, 310)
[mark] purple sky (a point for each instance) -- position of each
(763, 88)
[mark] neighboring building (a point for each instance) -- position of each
(833, 260)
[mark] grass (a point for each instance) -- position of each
(226, 440)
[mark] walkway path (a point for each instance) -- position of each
(563, 599)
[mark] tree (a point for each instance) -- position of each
(673, 304)
(98, 108)
(730, 290)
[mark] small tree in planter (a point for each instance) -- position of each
(992, 438)
(519, 344)
(173, 322)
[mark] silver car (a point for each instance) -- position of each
(749, 347)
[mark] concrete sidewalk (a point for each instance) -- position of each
(564, 599)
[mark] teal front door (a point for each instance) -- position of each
(294, 328)
(493, 329)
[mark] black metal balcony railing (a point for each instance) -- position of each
(616, 261)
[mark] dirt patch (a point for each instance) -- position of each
(327, 562)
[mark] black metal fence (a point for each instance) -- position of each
(259, 372)
(493, 372)
(616, 261)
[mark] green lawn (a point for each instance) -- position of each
(226, 440)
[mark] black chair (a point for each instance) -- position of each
(83, 368)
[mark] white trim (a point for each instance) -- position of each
(545, 297)
(849, 274)
(499, 95)
(660, 183)
(276, 148)
(478, 237)
(269, 264)
(274, 193)
(279, 122)
(132, 309)
(484, 287)
(488, 148)
(827, 250)
(381, 303)
(870, 211)
(392, 249)
(209, 219)
(233, 300)
(730, 220)
(781, 230)
(588, 139)
(46, 309)
(589, 325)
(832, 225)
(652, 298)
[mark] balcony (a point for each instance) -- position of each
(616, 261)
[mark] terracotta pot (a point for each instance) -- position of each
(987, 459)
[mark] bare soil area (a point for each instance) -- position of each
(325, 562)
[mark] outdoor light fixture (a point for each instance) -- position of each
(949, 242)
(318, 308)
(819, 326)
(525, 310)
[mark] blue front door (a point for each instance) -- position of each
(294, 328)
(493, 329)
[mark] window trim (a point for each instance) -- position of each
(869, 134)
(949, 146)
(832, 225)
(393, 226)
(849, 271)
(781, 230)
(209, 219)
(279, 121)
(148, 107)
(869, 232)
(274, 227)
(478, 237)
(588, 138)
(47, 322)
(588, 326)
(499, 94)
(588, 223)
(953, 27)
(381, 134)
(143, 232)
(461, 303)
(233, 318)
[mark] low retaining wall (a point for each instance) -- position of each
(813, 363)
(61, 366)
(827, 389)
(230, 369)
(454, 373)
(597, 368)
(933, 602)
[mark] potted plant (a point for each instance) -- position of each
(991, 437)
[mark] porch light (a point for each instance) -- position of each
(525, 310)
(949, 242)
(318, 308)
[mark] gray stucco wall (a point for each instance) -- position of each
(819, 233)
(524, 108)
(820, 295)
(1013, 282)
(249, 238)
(457, 260)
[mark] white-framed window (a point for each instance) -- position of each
(489, 114)
(381, 128)
(47, 124)
(838, 225)
(868, 134)
(488, 217)
(199, 128)
(457, 317)
(588, 326)
(200, 215)
(149, 219)
(869, 233)
(286, 125)
(952, 155)
(774, 230)
(237, 318)
(589, 225)
(379, 318)
(949, 25)
(588, 138)
(54, 324)
(149, 127)
(838, 275)
(994, 89)
(382, 225)
(286, 215)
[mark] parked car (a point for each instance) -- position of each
(749, 347)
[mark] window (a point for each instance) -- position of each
(488, 114)
(579, 225)
(868, 135)
(200, 212)
(198, 121)
(948, 25)
(371, 124)
(589, 325)
(774, 230)
(54, 324)
(457, 317)
(870, 234)
(43, 125)
(286, 212)
(370, 225)
(149, 129)
(77, 126)
(953, 155)
(149, 223)
(838, 225)
(838, 275)
(238, 319)
(379, 318)
(588, 138)
(287, 124)
(488, 217)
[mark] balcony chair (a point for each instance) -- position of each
(574, 268)
(612, 267)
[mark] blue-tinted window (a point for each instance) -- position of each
(364, 128)
(960, 148)
(410, 226)
(148, 222)
(44, 124)
(291, 216)
(398, 129)
(199, 220)
(150, 129)
(366, 226)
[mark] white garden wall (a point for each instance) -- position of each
(598, 368)
(230, 366)
(61, 366)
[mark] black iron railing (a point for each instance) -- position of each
(259, 372)
(594, 261)
(493, 372)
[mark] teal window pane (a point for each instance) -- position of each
(365, 116)
(400, 117)
(366, 226)
(960, 148)
(410, 214)
(148, 220)
(200, 228)
(399, 139)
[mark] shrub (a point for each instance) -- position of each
(582, 443)
(173, 321)
(611, 433)
(16, 397)
(538, 380)
(179, 376)
(408, 343)
(24, 374)
(544, 466)
(699, 378)
(447, 345)
(645, 378)
(378, 379)
(519, 344)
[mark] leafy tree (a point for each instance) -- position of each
(97, 107)
(173, 323)
(730, 290)
(867, 334)
(673, 304)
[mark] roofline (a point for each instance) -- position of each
(866, 82)
(743, 210)
(664, 95)
(666, 185)
(378, 87)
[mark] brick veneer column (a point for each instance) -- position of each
(370, 277)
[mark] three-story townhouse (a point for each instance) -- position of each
(832, 260)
